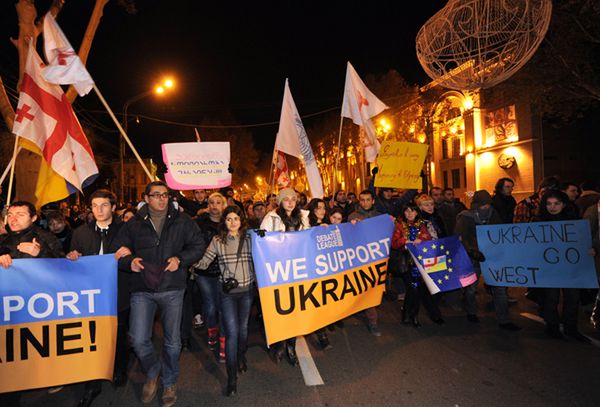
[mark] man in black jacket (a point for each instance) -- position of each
(97, 238)
(24, 240)
(163, 243)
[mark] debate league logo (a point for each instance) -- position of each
(329, 240)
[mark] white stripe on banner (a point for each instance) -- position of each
(536, 318)
(307, 364)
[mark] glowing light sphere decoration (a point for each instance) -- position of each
(474, 44)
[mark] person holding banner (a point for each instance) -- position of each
(317, 211)
(287, 217)
(481, 213)
(233, 251)
(411, 228)
(164, 243)
(554, 206)
(24, 240)
(97, 238)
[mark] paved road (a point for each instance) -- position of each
(457, 365)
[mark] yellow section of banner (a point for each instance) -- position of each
(300, 308)
(52, 353)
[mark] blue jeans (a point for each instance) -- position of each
(210, 287)
(499, 296)
(235, 315)
(143, 310)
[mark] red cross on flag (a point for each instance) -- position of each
(64, 66)
(361, 105)
(281, 171)
(45, 117)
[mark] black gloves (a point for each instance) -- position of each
(375, 170)
(260, 232)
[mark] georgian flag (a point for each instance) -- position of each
(360, 105)
(64, 66)
(45, 117)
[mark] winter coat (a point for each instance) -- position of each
(50, 246)
(86, 240)
(505, 206)
(180, 237)
(273, 223)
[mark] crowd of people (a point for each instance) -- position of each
(190, 258)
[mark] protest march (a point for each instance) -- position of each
(103, 285)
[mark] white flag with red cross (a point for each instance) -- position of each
(360, 105)
(45, 117)
(64, 66)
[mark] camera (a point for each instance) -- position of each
(229, 284)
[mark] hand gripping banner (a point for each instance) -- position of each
(310, 279)
(58, 321)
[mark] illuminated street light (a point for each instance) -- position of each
(160, 89)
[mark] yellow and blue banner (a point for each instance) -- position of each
(538, 254)
(58, 321)
(310, 279)
(443, 264)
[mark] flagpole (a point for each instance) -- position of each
(337, 157)
(10, 164)
(112, 115)
(12, 170)
(271, 170)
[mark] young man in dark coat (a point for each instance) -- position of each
(503, 201)
(97, 238)
(481, 213)
(24, 240)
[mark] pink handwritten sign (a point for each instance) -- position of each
(197, 165)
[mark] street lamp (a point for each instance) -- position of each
(160, 89)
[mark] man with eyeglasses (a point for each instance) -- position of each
(163, 243)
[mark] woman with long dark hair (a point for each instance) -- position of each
(554, 206)
(411, 228)
(233, 250)
(287, 217)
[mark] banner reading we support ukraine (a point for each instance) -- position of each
(310, 279)
(58, 321)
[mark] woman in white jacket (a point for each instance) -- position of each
(287, 217)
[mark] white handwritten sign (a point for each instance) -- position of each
(197, 165)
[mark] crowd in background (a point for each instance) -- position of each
(190, 256)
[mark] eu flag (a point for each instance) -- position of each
(443, 264)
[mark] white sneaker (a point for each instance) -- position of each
(198, 322)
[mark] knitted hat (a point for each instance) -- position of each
(480, 198)
(285, 193)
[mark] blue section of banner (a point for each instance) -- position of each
(541, 254)
(34, 290)
(445, 261)
(283, 258)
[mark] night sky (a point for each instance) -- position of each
(230, 58)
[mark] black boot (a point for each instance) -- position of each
(291, 353)
(277, 350)
(405, 317)
(231, 382)
(323, 340)
(88, 397)
(242, 364)
(595, 318)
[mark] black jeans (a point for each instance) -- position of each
(570, 306)
(415, 295)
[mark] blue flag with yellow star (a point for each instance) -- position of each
(443, 264)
